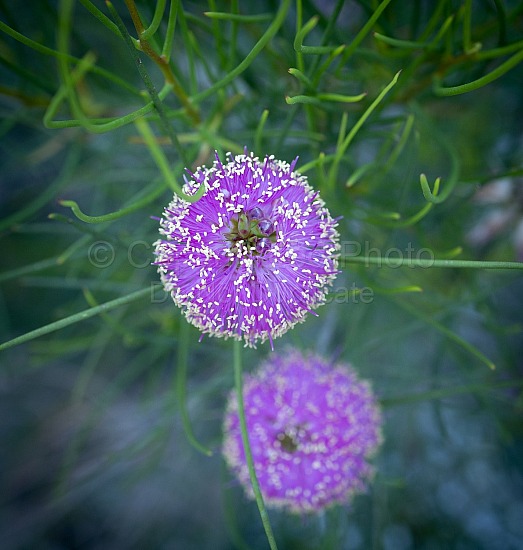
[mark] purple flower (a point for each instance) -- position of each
(312, 427)
(253, 255)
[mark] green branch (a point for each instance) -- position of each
(159, 60)
(76, 318)
(343, 143)
(320, 99)
(364, 30)
(383, 261)
(155, 23)
(181, 383)
(98, 126)
(151, 89)
(442, 393)
(45, 50)
(303, 32)
(238, 379)
(162, 163)
(156, 192)
(480, 82)
(238, 17)
(258, 47)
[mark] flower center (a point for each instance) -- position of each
(288, 442)
(254, 229)
(291, 437)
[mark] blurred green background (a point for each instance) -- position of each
(94, 454)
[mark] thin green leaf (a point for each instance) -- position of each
(238, 379)
(303, 32)
(257, 18)
(76, 318)
(350, 49)
(100, 16)
(155, 23)
(444, 91)
(40, 48)
(251, 56)
(395, 262)
(443, 393)
(258, 134)
(169, 34)
(181, 391)
(70, 163)
(133, 207)
(340, 150)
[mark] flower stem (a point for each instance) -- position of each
(160, 60)
(158, 104)
(156, 189)
(443, 393)
(80, 316)
(426, 263)
(342, 147)
(181, 383)
(238, 379)
(509, 64)
(162, 163)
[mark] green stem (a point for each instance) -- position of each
(156, 191)
(258, 47)
(498, 52)
(299, 23)
(302, 77)
(100, 16)
(169, 33)
(149, 85)
(162, 163)
(49, 51)
(340, 150)
(181, 393)
(27, 269)
(364, 31)
(303, 32)
(238, 379)
(325, 65)
(406, 44)
(258, 134)
(63, 38)
(480, 82)
(238, 17)
(440, 327)
(327, 34)
(320, 99)
(93, 125)
(68, 167)
(502, 20)
(233, 40)
(467, 24)
(402, 141)
(382, 261)
(77, 317)
(442, 393)
(155, 23)
(160, 61)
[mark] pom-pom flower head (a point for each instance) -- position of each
(253, 255)
(312, 428)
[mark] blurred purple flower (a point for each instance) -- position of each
(312, 428)
(253, 255)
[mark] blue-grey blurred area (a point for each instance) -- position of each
(93, 451)
(95, 476)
